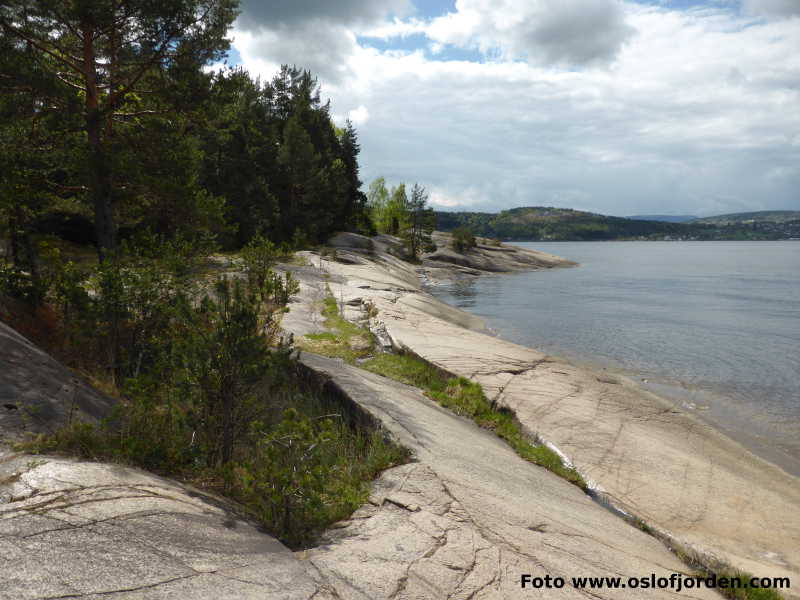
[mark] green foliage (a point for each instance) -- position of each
(178, 151)
(463, 239)
(203, 385)
(419, 224)
(466, 398)
(388, 209)
(138, 59)
(286, 476)
(18, 284)
(259, 255)
(548, 223)
(394, 213)
(223, 358)
(345, 340)
(746, 592)
(308, 472)
(271, 151)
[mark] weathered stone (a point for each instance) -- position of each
(468, 517)
(88, 530)
(38, 394)
(678, 474)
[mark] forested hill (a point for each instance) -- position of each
(746, 218)
(548, 223)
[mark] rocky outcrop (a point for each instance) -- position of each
(468, 516)
(446, 262)
(682, 477)
(464, 520)
(71, 529)
(38, 394)
(76, 529)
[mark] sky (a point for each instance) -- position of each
(617, 107)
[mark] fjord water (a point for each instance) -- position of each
(715, 326)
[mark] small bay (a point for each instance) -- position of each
(714, 326)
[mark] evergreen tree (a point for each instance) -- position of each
(421, 221)
(125, 60)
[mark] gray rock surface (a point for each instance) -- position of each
(684, 478)
(489, 258)
(38, 394)
(72, 529)
(468, 517)
(75, 529)
(464, 520)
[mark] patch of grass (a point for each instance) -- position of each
(466, 398)
(344, 339)
(746, 592)
(323, 337)
(298, 260)
(406, 369)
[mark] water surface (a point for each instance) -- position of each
(713, 325)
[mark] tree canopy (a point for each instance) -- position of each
(111, 121)
(123, 60)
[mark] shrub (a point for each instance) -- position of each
(258, 258)
(463, 239)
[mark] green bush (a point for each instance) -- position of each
(210, 393)
(285, 479)
(258, 258)
(463, 239)
(20, 285)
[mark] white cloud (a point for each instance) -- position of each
(777, 8)
(567, 32)
(696, 113)
(359, 115)
(315, 34)
(320, 47)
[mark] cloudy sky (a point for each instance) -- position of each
(618, 107)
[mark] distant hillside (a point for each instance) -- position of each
(762, 216)
(549, 223)
(665, 218)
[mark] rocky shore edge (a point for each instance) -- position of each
(466, 518)
(680, 479)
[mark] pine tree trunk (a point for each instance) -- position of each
(99, 167)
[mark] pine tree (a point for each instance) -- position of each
(112, 54)
(421, 221)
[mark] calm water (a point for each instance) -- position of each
(713, 325)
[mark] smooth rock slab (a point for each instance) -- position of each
(38, 394)
(90, 530)
(468, 516)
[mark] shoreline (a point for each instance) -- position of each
(670, 468)
(674, 391)
(733, 410)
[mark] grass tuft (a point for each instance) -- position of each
(465, 397)
(344, 340)
(746, 592)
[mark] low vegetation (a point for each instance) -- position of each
(458, 394)
(466, 398)
(209, 392)
(343, 339)
(463, 239)
(746, 592)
